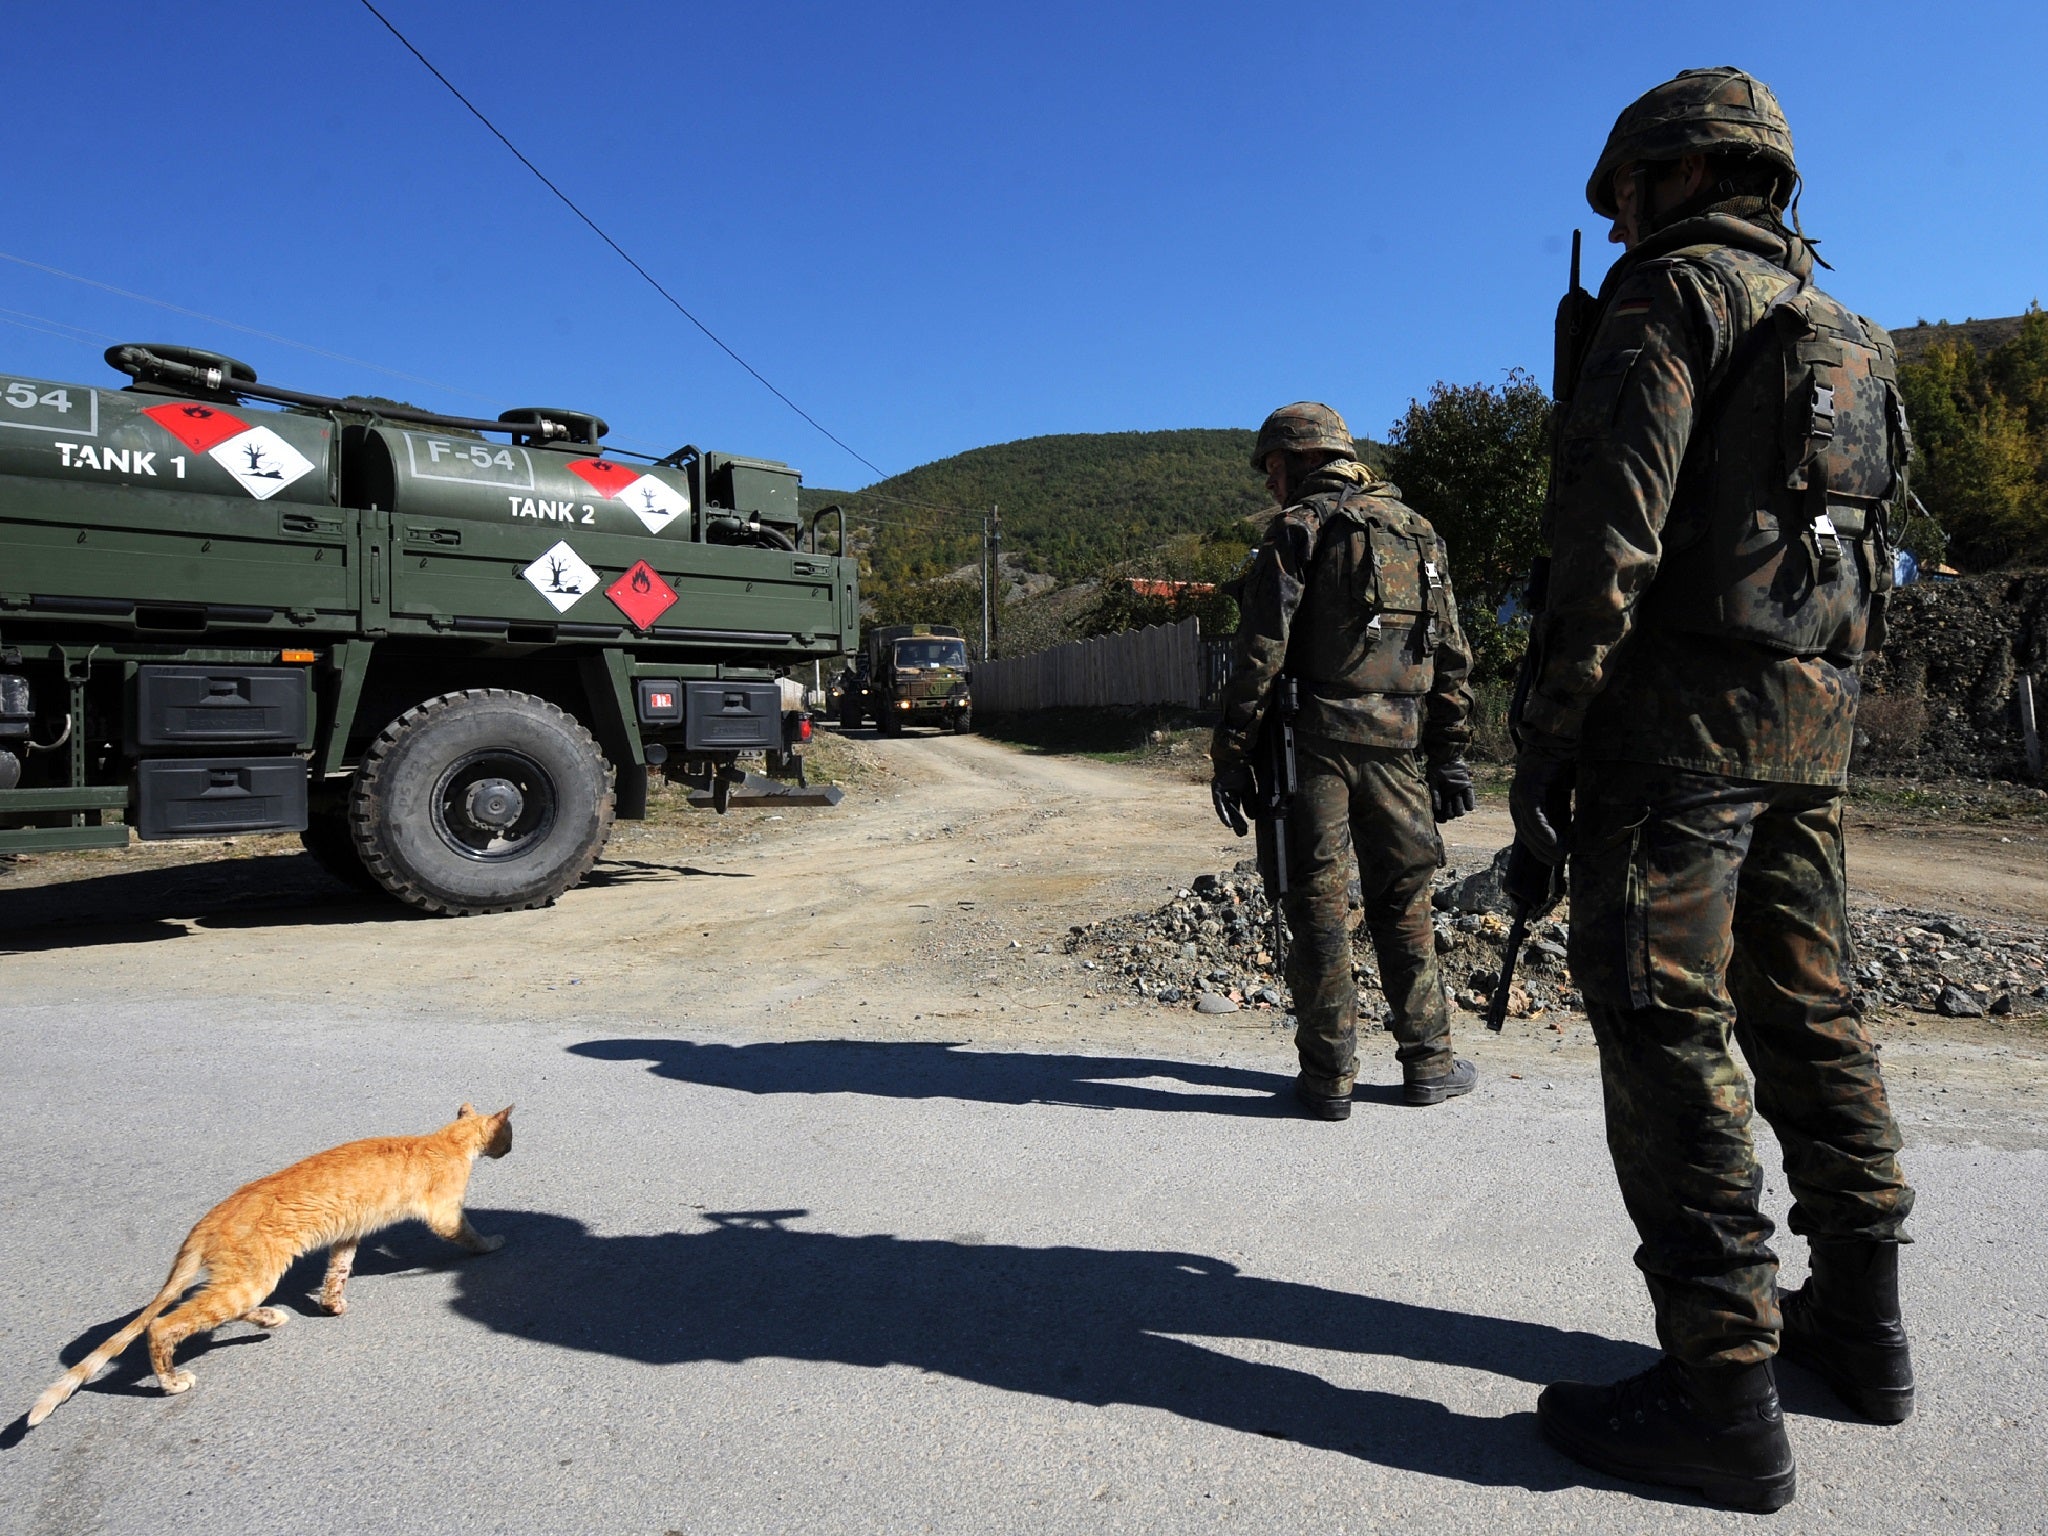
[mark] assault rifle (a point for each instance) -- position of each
(1532, 886)
(1275, 780)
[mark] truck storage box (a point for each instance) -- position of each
(220, 706)
(193, 796)
(728, 717)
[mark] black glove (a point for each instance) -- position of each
(1541, 798)
(1532, 886)
(1232, 793)
(1450, 789)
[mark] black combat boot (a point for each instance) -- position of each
(1320, 1102)
(1462, 1077)
(1715, 1429)
(1843, 1325)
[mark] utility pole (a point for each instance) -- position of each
(984, 586)
(995, 607)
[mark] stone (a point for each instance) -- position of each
(1478, 892)
(1955, 1003)
(1212, 1002)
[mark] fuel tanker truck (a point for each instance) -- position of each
(444, 651)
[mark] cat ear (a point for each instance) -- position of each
(467, 1112)
(503, 1114)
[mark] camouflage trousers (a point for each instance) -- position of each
(1362, 811)
(1704, 906)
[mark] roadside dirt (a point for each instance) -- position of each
(930, 904)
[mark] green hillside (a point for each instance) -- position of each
(1074, 505)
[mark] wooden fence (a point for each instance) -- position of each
(1163, 664)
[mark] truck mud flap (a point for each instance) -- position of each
(757, 789)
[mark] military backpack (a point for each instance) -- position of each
(1780, 528)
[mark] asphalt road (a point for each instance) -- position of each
(771, 1284)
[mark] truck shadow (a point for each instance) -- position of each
(1180, 1332)
(940, 1069)
(132, 906)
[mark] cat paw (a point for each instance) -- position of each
(488, 1244)
(267, 1317)
(334, 1306)
(176, 1382)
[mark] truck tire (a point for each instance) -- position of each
(888, 722)
(962, 724)
(849, 716)
(484, 800)
(327, 837)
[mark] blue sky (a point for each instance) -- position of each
(940, 226)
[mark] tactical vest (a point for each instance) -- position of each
(1780, 527)
(1374, 603)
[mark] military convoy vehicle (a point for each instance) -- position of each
(445, 651)
(908, 674)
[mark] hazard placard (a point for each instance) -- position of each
(560, 576)
(261, 462)
(198, 427)
(607, 477)
(641, 595)
(651, 499)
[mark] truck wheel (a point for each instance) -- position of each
(849, 716)
(889, 723)
(481, 801)
(962, 724)
(333, 846)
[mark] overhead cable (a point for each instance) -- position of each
(246, 330)
(570, 203)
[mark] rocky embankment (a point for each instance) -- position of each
(1939, 699)
(1209, 949)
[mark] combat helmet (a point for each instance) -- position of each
(1303, 427)
(1702, 111)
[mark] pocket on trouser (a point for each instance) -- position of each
(1609, 946)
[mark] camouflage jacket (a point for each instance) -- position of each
(1349, 592)
(1631, 692)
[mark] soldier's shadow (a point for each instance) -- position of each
(938, 1069)
(1182, 1332)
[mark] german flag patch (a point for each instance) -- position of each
(1632, 307)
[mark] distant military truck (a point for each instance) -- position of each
(909, 674)
(446, 652)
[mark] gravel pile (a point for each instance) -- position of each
(1210, 949)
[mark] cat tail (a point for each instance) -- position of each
(184, 1270)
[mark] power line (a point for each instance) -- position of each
(21, 319)
(569, 203)
(246, 330)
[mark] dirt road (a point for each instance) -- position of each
(938, 891)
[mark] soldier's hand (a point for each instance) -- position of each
(1231, 792)
(1450, 789)
(1540, 800)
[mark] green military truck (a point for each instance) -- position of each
(445, 651)
(909, 674)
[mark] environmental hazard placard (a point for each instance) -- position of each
(560, 576)
(641, 595)
(261, 462)
(651, 499)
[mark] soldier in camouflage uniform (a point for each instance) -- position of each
(1350, 595)
(1726, 467)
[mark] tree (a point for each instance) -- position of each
(1475, 460)
(1980, 430)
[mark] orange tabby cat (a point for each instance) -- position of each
(333, 1199)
